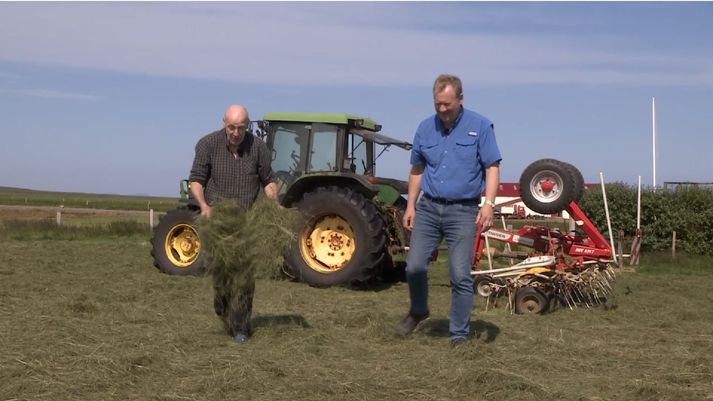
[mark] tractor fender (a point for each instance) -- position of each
(308, 183)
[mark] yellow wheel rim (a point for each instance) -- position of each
(328, 244)
(182, 245)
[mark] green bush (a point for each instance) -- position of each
(686, 210)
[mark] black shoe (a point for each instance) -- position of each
(408, 324)
(240, 338)
(457, 341)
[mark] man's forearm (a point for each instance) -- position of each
(492, 182)
(414, 184)
(197, 192)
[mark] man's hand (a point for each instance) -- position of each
(408, 218)
(271, 192)
(485, 216)
(414, 188)
(206, 211)
(196, 189)
(492, 181)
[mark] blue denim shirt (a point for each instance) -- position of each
(455, 160)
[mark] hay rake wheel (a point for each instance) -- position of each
(530, 300)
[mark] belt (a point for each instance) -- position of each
(444, 201)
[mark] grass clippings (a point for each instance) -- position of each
(241, 244)
(92, 319)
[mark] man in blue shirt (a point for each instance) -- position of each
(454, 158)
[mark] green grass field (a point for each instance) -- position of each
(86, 316)
(26, 197)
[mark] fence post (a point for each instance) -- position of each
(59, 218)
(620, 248)
(635, 249)
(151, 218)
(673, 246)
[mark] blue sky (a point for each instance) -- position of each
(111, 97)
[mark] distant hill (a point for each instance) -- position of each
(38, 191)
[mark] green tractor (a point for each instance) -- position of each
(350, 228)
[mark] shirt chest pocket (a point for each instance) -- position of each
(245, 166)
(432, 152)
(467, 148)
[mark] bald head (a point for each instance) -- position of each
(235, 113)
(235, 122)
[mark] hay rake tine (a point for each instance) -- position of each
(610, 272)
(567, 296)
(605, 290)
(584, 297)
(570, 300)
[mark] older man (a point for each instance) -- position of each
(230, 163)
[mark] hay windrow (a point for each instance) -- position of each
(241, 245)
(246, 243)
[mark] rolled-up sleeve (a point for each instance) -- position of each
(200, 171)
(489, 152)
(264, 164)
(417, 158)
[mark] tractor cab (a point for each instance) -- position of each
(324, 144)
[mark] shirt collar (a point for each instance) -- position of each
(439, 123)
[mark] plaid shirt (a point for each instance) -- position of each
(224, 176)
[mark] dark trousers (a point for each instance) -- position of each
(234, 306)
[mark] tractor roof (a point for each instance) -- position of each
(327, 118)
(382, 139)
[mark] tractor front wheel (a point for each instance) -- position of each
(176, 246)
(340, 238)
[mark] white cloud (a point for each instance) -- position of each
(285, 43)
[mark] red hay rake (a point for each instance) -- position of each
(570, 269)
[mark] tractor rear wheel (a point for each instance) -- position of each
(547, 186)
(340, 238)
(530, 301)
(176, 246)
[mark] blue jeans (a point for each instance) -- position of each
(455, 223)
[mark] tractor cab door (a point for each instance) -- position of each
(301, 148)
(360, 154)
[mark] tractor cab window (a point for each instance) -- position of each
(324, 148)
(357, 158)
(287, 147)
(287, 153)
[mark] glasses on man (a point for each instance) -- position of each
(234, 127)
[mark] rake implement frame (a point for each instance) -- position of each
(570, 267)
